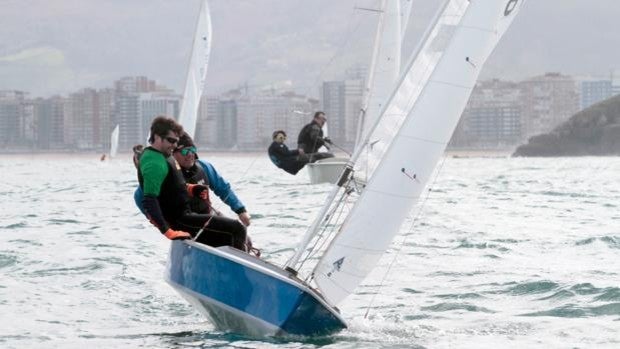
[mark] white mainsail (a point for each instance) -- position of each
(114, 141)
(411, 135)
(197, 71)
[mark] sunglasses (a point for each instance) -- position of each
(188, 150)
(171, 140)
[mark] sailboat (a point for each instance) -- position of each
(113, 145)
(114, 141)
(197, 71)
(383, 74)
(244, 294)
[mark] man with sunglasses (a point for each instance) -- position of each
(166, 196)
(199, 171)
(289, 160)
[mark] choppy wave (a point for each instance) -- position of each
(505, 253)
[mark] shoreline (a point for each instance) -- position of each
(220, 153)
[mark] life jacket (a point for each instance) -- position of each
(310, 138)
(197, 175)
(173, 198)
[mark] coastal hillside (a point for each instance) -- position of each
(592, 131)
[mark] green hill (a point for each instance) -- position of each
(592, 131)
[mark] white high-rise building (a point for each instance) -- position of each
(342, 102)
(492, 118)
(156, 104)
(258, 116)
(547, 101)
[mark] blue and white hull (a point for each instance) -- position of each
(243, 294)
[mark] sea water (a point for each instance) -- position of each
(500, 253)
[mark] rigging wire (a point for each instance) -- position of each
(321, 234)
(325, 239)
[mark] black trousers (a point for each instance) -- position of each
(218, 230)
(312, 157)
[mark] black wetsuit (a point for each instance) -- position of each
(286, 159)
(167, 204)
(310, 139)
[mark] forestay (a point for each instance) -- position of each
(411, 135)
(197, 71)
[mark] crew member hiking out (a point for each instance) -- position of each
(166, 200)
(289, 160)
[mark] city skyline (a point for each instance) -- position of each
(500, 114)
(55, 48)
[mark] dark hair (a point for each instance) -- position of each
(318, 113)
(138, 149)
(161, 125)
(276, 133)
(185, 141)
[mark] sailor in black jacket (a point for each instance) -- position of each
(311, 139)
(290, 161)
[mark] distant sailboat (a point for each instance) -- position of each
(114, 142)
(197, 71)
(113, 145)
(241, 293)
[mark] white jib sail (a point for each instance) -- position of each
(197, 71)
(384, 73)
(114, 141)
(386, 66)
(411, 135)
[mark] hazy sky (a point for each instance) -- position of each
(59, 46)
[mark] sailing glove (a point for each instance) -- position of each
(198, 190)
(177, 235)
(327, 140)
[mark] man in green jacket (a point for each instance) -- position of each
(167, 196)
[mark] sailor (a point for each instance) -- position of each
(199, 171)
(310, 138)
(166, 199)
(289, 160)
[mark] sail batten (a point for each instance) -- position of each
(410, 136)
